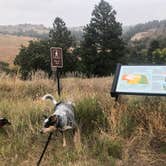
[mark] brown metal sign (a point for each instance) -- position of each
(56, 57)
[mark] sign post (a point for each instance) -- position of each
(56, 64)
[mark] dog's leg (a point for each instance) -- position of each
(77, 138)
(64, 139)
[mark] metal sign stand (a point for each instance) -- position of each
(58, 82)
(56, 61)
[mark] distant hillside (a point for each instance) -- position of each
(9, 46)
(138, 32)
(13, 36)
(38, 31)
(152, 29)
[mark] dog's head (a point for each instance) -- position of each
(49, 124)
(3, 122)
(50, 121)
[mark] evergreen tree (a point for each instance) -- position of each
(159, 56)
(102, 46)
(60, 36)
(34, 57)
(153, 46)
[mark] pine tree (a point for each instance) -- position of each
(152, 47)
(59, 35)
(102, 46)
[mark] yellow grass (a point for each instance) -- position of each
(136, 126)
(10, 45)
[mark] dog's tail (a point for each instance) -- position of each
(50, 97)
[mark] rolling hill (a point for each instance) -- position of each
(10, 45)
(38, 31)
(13, 36)
(150, 30)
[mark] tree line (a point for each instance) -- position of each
(101, 47)
(97, 54)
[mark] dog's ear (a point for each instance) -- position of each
(53, 118)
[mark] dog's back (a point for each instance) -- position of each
(65, 112)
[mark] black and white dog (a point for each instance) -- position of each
(61, 120)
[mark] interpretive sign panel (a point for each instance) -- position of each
(139, 80)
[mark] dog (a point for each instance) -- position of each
(62, 119)
(3, 122)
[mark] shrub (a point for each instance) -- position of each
(90, 116)
(127, 124)
(106, 150)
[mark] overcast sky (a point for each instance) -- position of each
(77, 12)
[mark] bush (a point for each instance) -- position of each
(90, 116)
(107, 150)
(127, 124)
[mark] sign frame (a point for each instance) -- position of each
(56, 62)
(114, 93)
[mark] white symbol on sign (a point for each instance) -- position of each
(56, 54)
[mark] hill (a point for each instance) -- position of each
(38, 31)
(9, 46)
(13, 36)
(152, 29)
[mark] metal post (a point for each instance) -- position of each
(58, 82)
(44, 150)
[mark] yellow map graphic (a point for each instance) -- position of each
(135, 78)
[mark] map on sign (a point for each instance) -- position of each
(140, 80)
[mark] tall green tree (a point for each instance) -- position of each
(34, 57)
(159, 56)
(102, 45)
(152, 47)
(60, 36)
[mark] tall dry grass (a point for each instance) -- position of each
(124, 133)
(10, 45)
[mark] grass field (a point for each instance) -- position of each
(129, 133)
(10, 45)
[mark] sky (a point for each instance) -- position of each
(77, 12)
